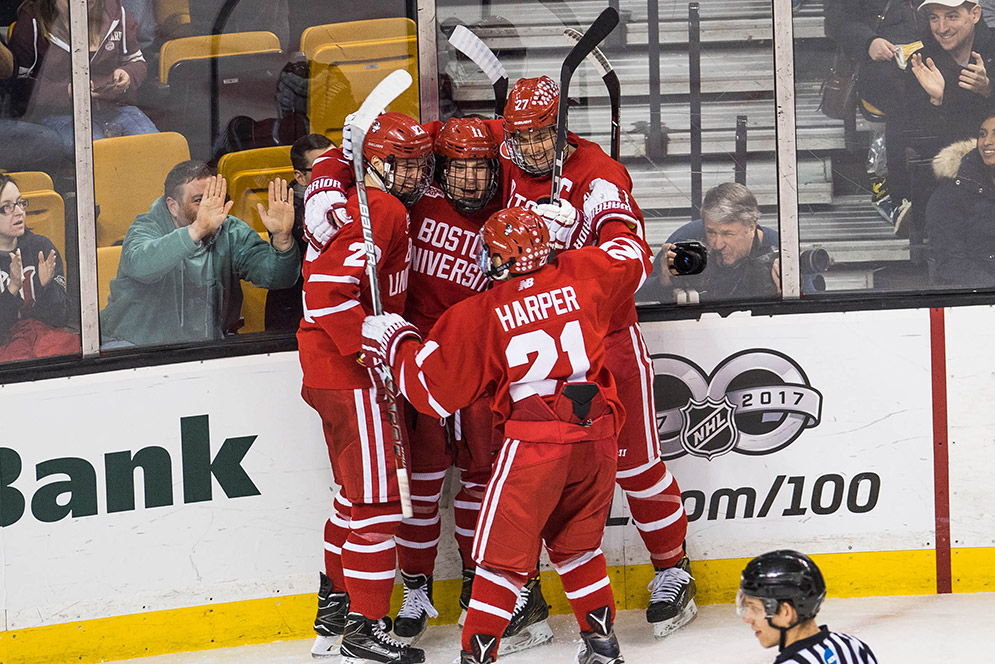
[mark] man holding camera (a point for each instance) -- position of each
(742, 261)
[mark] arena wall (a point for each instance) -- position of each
(862, 438)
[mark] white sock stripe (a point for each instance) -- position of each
(428, 476)
(408, 544)
(387, 575)
(333, 549)
(572, 564)
(654, 490)
(472, 485)
(358, 524)
(498, 580)
(338, 521)
(430, 500)
(342, 499)
(587, 590)
(465, 532)
(477, 605)
(386, 545)
(662, 523)
(467, 505)
(431, 521)
(638, 470)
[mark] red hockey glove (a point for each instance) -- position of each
(381, 334)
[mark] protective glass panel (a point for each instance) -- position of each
(39, 283)
(696, 123)
(224, 87)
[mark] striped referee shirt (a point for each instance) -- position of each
(827, 648)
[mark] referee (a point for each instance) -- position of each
(779, 596)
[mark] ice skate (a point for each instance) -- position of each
(329, 623)
(528, 627)
(367, 641)
(600, 645)
(465, 593)
(416, 608)
(483, 646)
(672, 604)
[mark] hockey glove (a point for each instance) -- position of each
(324, 215)
(382, 334)
(347, 137)
(561, 218)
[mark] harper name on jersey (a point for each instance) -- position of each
(532, 308)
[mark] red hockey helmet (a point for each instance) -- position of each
(530, 124)
(514, 241)
(406, 152)
(469, 166)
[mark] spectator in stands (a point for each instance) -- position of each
(742, 255)
(960, 214)
(144, 15)
(33, 298)
(24, 146)
(182, 261)
(870, 32)
(40, 42)
(953, 93)
(284, 307)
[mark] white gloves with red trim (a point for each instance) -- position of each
(324, 216)
(382, 334)
(347, 137)
(561, 218)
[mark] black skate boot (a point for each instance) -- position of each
(483, 647)
(672, 604)
(465, 593)
(367, 640)
(416, 608)
(528, 627)
(600, 645)
(333, 607)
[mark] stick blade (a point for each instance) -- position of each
(469, 44)
(595, 57)
(386, 91)
(601, 28)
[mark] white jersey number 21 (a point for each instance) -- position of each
(539, 342)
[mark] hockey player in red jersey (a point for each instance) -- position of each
(534, 341)
(593, 189)
(445, 226)
(360, 554)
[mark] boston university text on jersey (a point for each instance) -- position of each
(532, 308)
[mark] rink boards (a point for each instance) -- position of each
(863, 438)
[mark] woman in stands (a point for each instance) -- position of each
(40, 42)
(33, 298)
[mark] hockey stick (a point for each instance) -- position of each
(602, 26)
(473, 47)
(383, 94)
(608, 75)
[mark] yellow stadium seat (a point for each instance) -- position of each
(108, 259)
(210, 46)
(253, 304)
(128, 175)
(32, 181)
(170, 15)
(247, 188)
(343, 74)
(250, 160)
(46, 215)
(352, 31)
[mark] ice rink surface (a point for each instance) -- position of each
(908, 630)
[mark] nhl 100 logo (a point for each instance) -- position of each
(756, 401)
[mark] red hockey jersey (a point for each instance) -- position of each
(337, 292)
(444, 247)
(529, 335)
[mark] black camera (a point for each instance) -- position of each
(690, 258)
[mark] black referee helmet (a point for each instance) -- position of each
(785, 576)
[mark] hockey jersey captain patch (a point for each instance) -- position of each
(532, 308)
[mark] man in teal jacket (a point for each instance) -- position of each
(182, 262)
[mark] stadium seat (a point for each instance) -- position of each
(254, 304)
(32, 181)
(171, 16)
(248, 174)
(208, 46)
(128, 175)
(46, 215)
(355, 31)
(108, 259)
(343, 74)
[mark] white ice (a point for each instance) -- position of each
(927, 629)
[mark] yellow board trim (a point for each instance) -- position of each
(286, 618)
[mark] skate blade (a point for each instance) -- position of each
(665, 628)
(411, 640)
(530, 637)
(326, 646)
